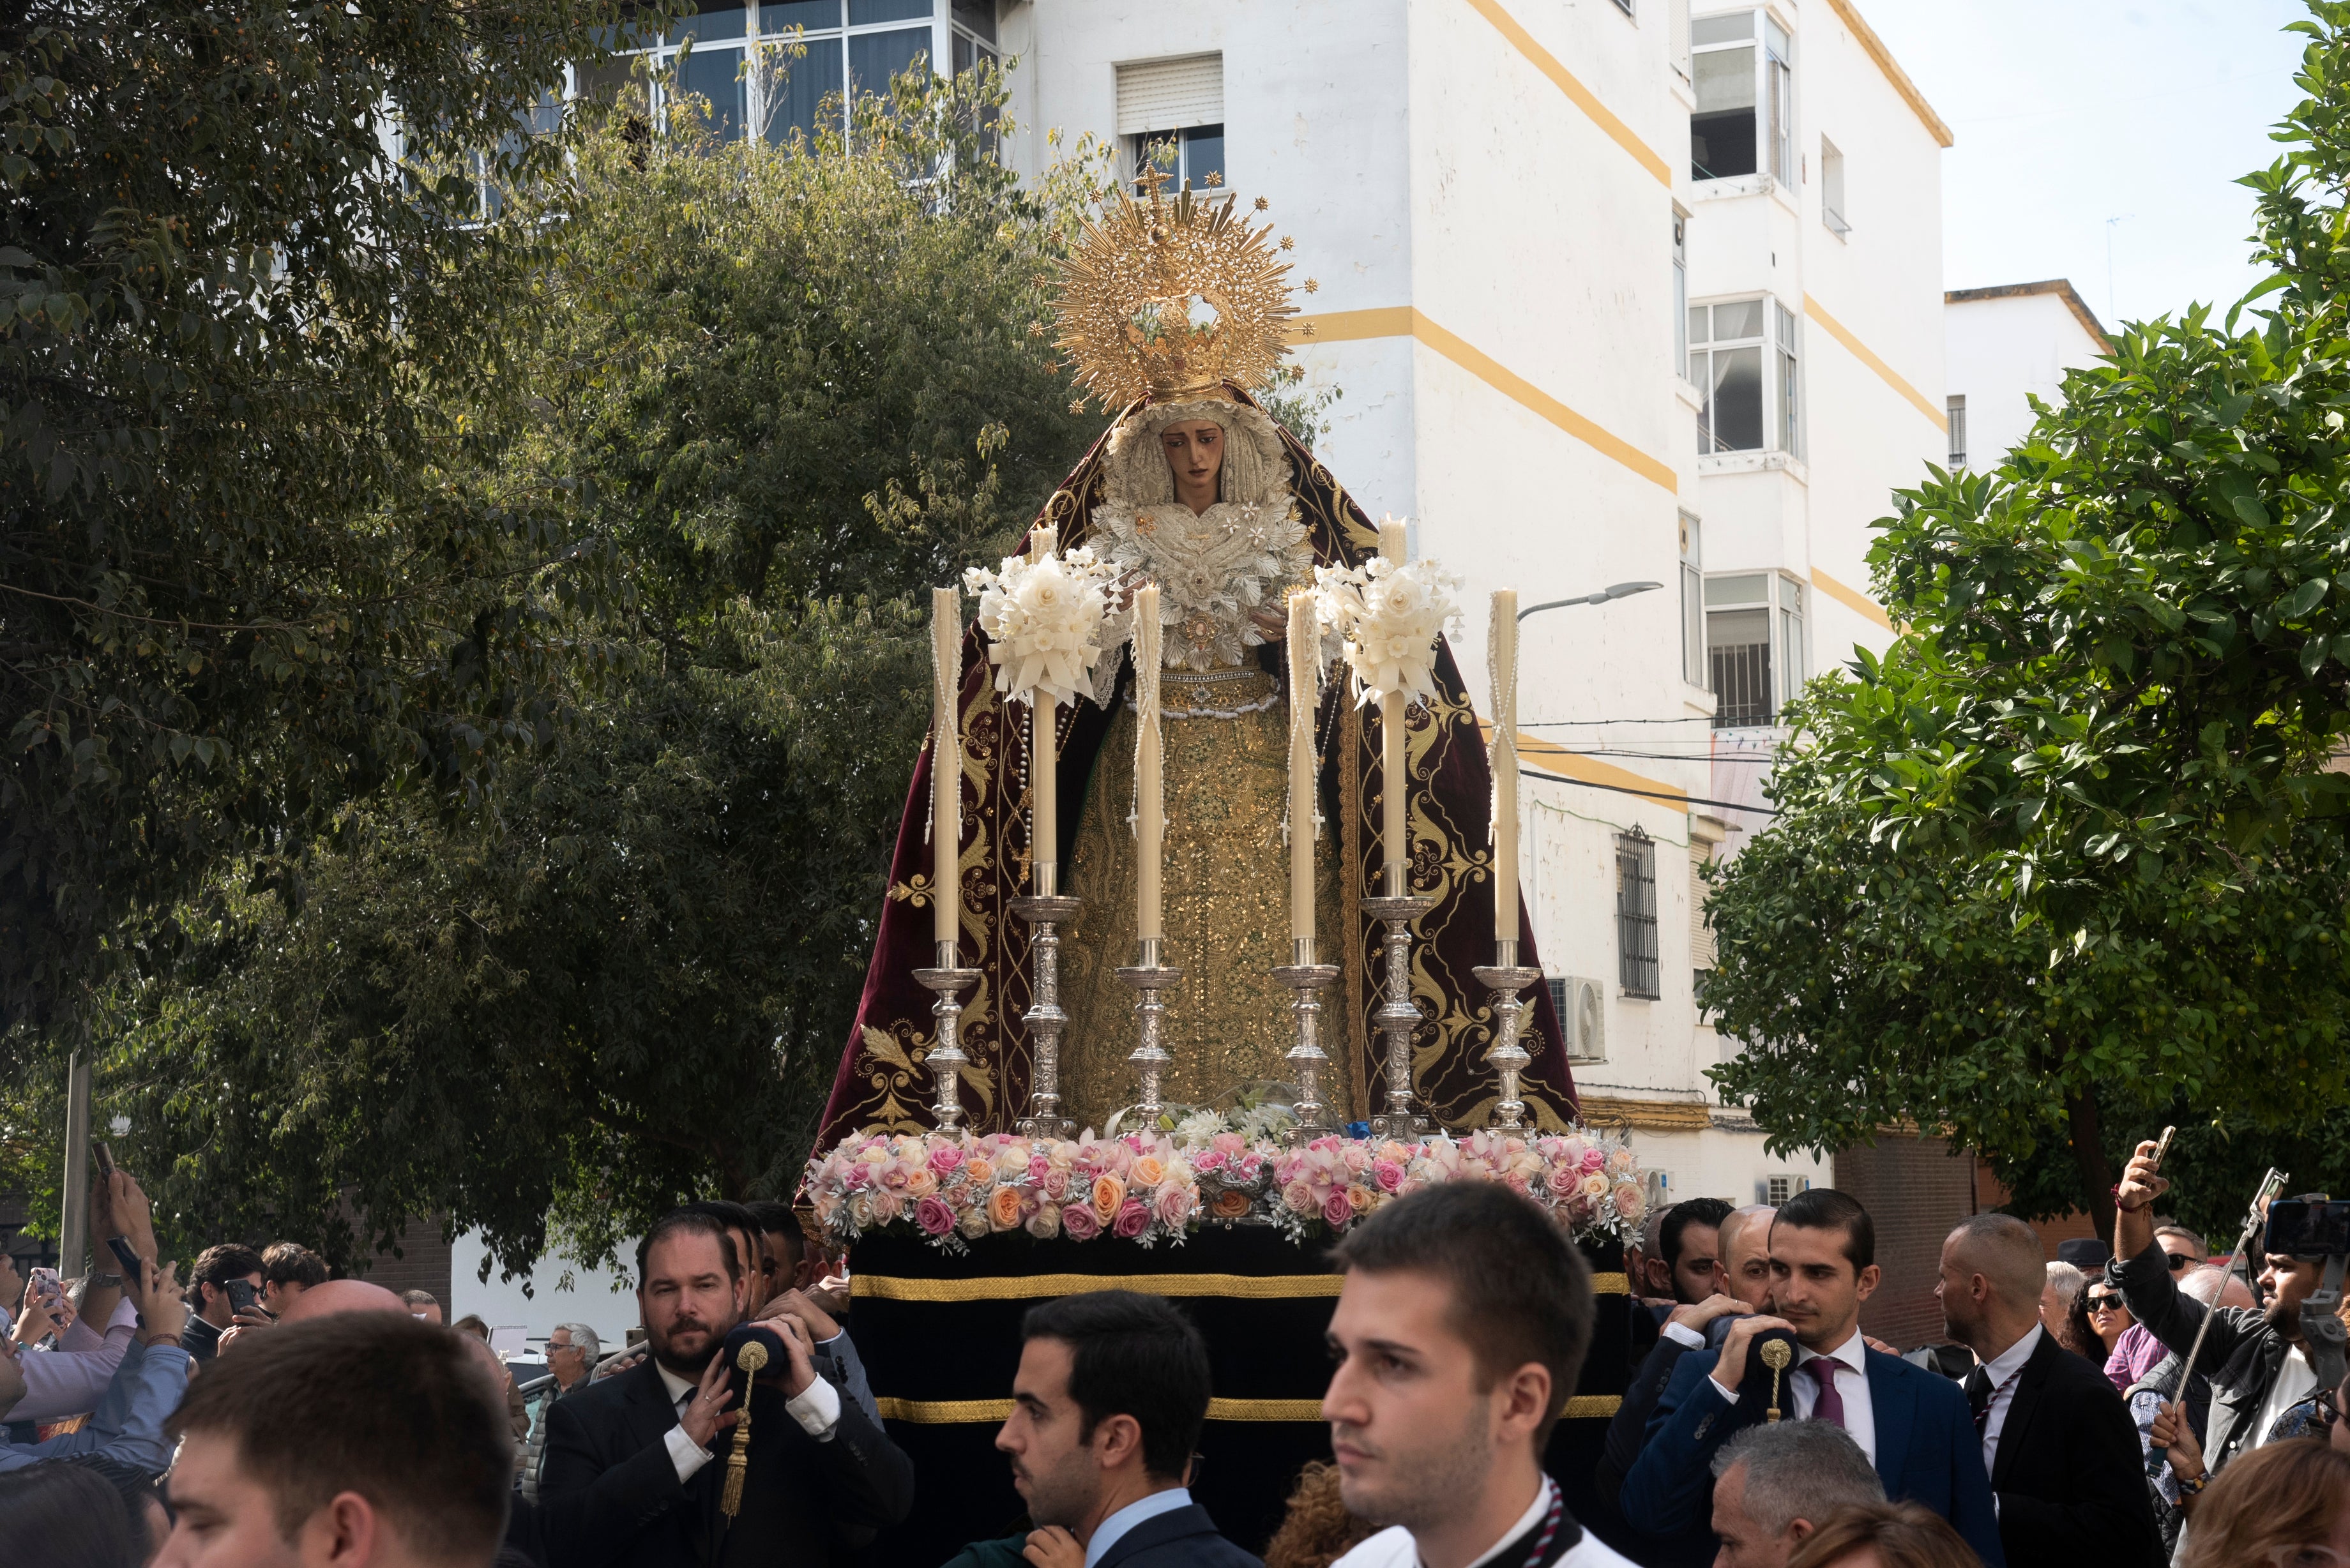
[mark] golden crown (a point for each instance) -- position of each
(1172, 299)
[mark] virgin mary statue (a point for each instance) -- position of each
(1170, 309)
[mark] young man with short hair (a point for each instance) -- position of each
(1691, 1242)
(1914, 1425)
(210, 1311)
(349, 1441)
(1106, 1409)
(2063, 1459)
(1773, 1485)
(1460, 1332)
(287, 1269)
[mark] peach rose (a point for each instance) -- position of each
(1361, 1198)
(1109, 1193)
(1003, 1209)
(1231, 1203)
(1148, 1171)
(921, 1184)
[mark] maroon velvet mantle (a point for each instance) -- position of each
(882, 1082)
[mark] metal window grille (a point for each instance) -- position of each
(1958, 416)
(1741, 684)
(1636, 914)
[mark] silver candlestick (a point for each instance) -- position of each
(1149, 977)
(1505, 976)
(1308, 979)
(1398, 1017)
(1046, 913)
(946, 1059)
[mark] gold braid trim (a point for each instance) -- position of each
(1030, 1287)
(957, 1412)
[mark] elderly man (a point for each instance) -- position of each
(1773, 1486)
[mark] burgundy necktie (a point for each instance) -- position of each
(1830, 1406)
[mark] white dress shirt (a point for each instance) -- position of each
(816, 1408)
(1394, 1547)
(1852, 1384)
(2004, 1370)
(1113, 1530)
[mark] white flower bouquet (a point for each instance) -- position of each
(1044, 620)
(1390, 616)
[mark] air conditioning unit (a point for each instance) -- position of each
(1581, 1007)
(1776, 1189)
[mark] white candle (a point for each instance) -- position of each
(946, 766)
(1394, 847)
(1502, 654)
(1044, 795)
(1150, 913)
(1304, 690)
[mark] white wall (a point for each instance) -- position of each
(560, 1292)
(2005, 350)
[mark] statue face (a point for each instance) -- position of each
(1195, 456)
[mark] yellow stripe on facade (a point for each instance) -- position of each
(1874, 47)
(1851, 597)
(971, 1412)
(1581, 97)
(1410, 321)
(1555, 758)
(1033, 1287)
(1861, 351)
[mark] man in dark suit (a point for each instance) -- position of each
(1914, 1425)
(822, 1477)
(1107, 1407)
(2057, 1442)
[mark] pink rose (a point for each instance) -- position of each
(1357, 1159)
(1389, 1175)
(934, 1217)
(887, 1206)
(1516, 1184)
(1299, 1197)
(1057, 1184)
(1077, 1222)
(1594, 1160)
(1212, 1159)
(1407, 1186)
(1038, 1167)
(1249, 1167)
(1336, 1210)
(1174, 1206)
(1133, 1218)
(944, 1159)
(1228, 1143)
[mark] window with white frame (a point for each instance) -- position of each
(1742, 66)
(783, 67)
(1832, 187)
(1756, 646)
(1957, 411)
(1170, 113)
(1676, 36)
(1693, 667)
(1744, 359)
(1681, 292)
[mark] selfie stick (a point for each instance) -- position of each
(2270, 1184)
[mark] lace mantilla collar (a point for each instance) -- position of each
(1212, 568)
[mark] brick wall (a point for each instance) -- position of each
(426, 1264)
(1915, 1190)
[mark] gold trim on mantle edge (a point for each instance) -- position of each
(1411, 321)
(1033, 1287)
(971, 1412)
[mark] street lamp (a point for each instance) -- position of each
(1615, 591)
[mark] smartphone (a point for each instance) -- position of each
(105, 1161)
(242, 1296)
(47, 1290)
(2300, 1229)
(134, 1268)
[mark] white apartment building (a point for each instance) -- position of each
(1615, 294)
(2007, 345)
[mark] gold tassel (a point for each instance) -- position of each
(749, 1358)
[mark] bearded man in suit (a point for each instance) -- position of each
(822, 1478)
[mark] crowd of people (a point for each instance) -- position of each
(266, 1414)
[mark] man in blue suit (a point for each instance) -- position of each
(1914, 1425)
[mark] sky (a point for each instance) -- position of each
(2070, 112)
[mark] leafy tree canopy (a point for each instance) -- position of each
(2069, 860)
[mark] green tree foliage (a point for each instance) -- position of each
(2069, 861)
(247, 570)
(799, 385)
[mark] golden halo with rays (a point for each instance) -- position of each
(1172, 299)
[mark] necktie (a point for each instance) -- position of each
(1830, 1406)
(1979, 1393)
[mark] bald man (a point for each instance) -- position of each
(2057, 1442)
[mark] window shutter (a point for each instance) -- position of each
(1170, 95)
(1700, 930)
